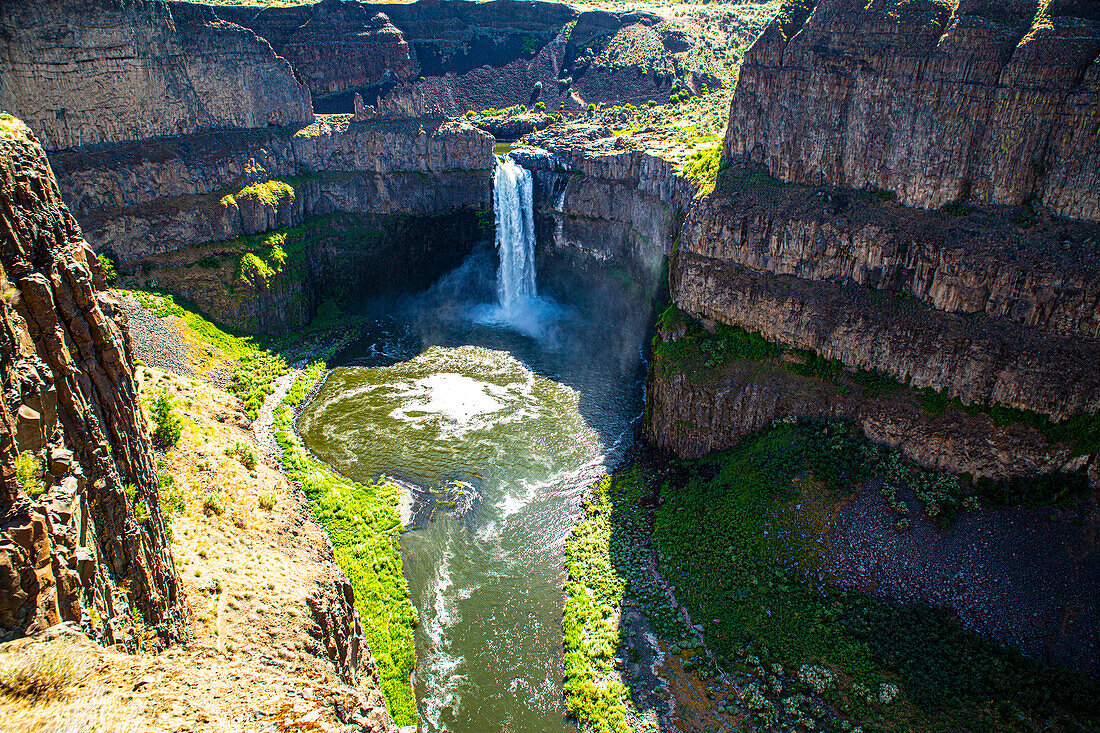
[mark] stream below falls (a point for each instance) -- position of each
(498, 419)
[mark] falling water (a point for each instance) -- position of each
(515, 235)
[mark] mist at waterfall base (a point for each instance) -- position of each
(497, 415)
(518, 303)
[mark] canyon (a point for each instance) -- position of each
(902, 216)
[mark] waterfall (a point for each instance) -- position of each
(515, 234)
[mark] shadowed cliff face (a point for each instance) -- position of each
(938, 101)
(433, 58)
(90, 545)
(107, 71)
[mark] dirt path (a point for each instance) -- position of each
(263, 425)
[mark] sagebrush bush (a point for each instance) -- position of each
(168, 425)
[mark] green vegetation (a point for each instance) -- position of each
(167, 424)
(108, 267)
(254, 379)
(594, 592)
(254, 270)
(363, 524)
(268, 193)
(608, 565)
(213, 505)
(28, 471)
(737, 537)
(727, 343)
(171, 498)
(1081, 432)
(702, 167)
(243, 453)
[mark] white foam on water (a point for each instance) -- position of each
(440, 666)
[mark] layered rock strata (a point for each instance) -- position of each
(848, 121)
(158, 196)
(82, 73)
(82, 536)
(977, 100)
(694, 411)
(610, 197)
(436, 58)
(1003, 263)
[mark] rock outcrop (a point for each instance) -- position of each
(1041, 272)
(608, 197)
(82, 73)
(979, 100)
(430, 57)
(157, 196)
(849, 122)
(82, 536)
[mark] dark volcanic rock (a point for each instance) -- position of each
(995, 103)
(81, 72)
(92, 548)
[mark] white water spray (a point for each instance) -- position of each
(515, 224)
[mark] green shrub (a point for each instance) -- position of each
(108, 267)
(167, 425)
(267, 501)
(212, 505)
(28, 471)
(244, 453)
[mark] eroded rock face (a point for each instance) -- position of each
(157, 196)
(82, 536)
(608, 197)
(995, 102)
(431, 58)
(114, 70)
(979, 360)
(1044, 274)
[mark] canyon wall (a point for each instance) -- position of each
(850, 121)
(979, 100)
(145, 198)
(82, 537)
(433, 57)
(82, 73)
(606, 197)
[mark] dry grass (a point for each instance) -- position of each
(41, 677)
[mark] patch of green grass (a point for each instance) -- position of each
(594, 592)
(608, 566)
(28, 474)
(702, 167)
(362, 522)
(743, 563)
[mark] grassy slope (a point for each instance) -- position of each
(362, 521)
(736, 556)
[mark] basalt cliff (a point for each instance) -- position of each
(83, 536)
(908, 190)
